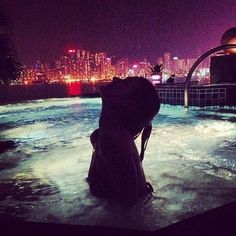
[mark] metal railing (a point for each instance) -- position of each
(173, 96)
(201, 97)
(207, 97)
(195, 65)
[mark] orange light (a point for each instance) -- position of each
(93, 79)
(232, 50)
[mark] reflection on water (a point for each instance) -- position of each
(190, 161)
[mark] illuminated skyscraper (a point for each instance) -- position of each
(189, 63)
(167, 62)
(122, 68)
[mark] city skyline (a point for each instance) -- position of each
(124, 29)
(86, 66)
(132, 60)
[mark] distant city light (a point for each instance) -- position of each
(93, 79)
(203, 72)
(156, 79)
(131, 71)
(165, 76)
(71, 50)
(67, 76)
(92, 67)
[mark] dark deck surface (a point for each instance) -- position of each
(219, 221)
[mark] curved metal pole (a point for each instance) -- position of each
(195, 65)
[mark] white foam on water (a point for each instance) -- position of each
(32, 131)
(187, 172)
(40, 103)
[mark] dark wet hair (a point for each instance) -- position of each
(146, 104)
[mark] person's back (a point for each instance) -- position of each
(116, 170)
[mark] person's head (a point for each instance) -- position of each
(134, 100)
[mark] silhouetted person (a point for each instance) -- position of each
(171, 79)
(116, 172)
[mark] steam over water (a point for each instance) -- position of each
(190, 161)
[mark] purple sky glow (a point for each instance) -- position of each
(126, 28)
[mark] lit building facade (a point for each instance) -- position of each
(83, 65)
(74, 65)
(180, 66)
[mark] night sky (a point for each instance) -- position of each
(122, 28)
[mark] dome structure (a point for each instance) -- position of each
(229, 37)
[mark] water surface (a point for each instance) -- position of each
(190, 161)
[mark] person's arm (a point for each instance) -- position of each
(94, 137)
(118, 154)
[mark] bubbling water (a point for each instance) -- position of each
(190, 161)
